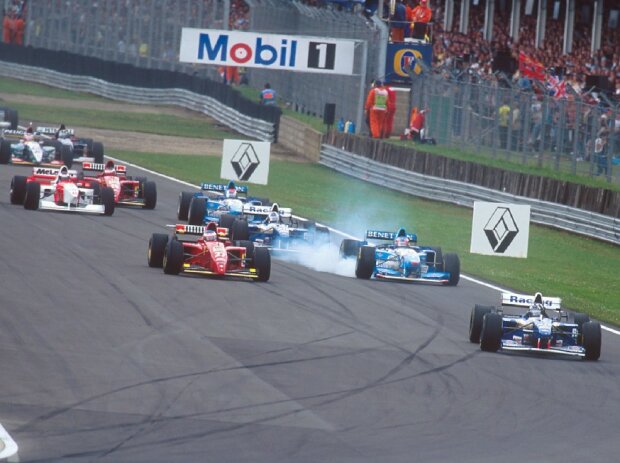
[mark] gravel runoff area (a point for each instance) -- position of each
(145, 142)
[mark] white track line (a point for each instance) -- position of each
(10, 447)
(339, 232)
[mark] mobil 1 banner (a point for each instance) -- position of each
(267, 51)
(245, 161)
(500, 229)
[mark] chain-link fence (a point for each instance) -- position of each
(147, 33)
(497, 120)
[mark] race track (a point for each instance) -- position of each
(105, 359)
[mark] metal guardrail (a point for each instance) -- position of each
(464, 194)
(255, 128)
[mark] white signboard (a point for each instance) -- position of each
(500, 229)
(246, 161)
(267, 51)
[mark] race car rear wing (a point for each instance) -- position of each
(386, 235)
(53, 130)
(50, 172)
(96, 167)
(523, 300)
(250, 209)
(222, 187)
(197, 230)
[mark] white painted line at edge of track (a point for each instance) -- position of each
(341, 233)
(10, 447)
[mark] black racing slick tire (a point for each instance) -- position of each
(491, 333)
(248, 245)
(18, 189)
(262, 264)
(349, 248)
(173, 257)
(592, 340)
(33, 195)
(97, 151)
(197, 211)
(150, 194)
(157, 248)
(579, 319)
(183, 208)
(5, 151)
(438, 259)
(366, 261)
(452, 265)
(107, 199)
(240, 230)
(226, 221)
(475, 321)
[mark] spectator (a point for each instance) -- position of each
(421, 15)
(398, 20)
(600, 152)
(268, 96)
(504, 117)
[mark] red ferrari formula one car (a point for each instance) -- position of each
(60, 190)
(211, 254)
(128, 191)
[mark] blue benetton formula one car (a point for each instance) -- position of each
(543, 328)
(402, 259)
(215, 201)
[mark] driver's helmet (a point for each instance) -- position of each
(401, 241)
(231, 192)
(62, 134)
(209, 235)
(109, 168)
(28, 136)
(273, 217)
(63, 174)
(536, 310)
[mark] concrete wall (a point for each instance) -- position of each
(298, 137)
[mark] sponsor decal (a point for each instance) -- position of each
(380, 235)
(515, 299)
(245, 161)
(501, 229)
(190, 229)
(45, 171)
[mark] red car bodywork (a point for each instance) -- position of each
(126, 191)
(212, 257)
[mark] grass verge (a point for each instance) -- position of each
(583, 272)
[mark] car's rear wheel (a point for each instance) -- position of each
(240, 230)
(5, 152)
(438, 259)
(452, 265)
(150, 195)
(491, 333)
(107, 199)
(197, 211)
(365, 265)
(592, 340)
(475, 321)
(226, 221)
(248, 245)
(183, 208)
(97, 151)
(173, 258)
(350, 247)
(579, 319)
(157, 248)
(18, 189)
(262, 263)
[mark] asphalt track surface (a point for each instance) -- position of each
(105, 359)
